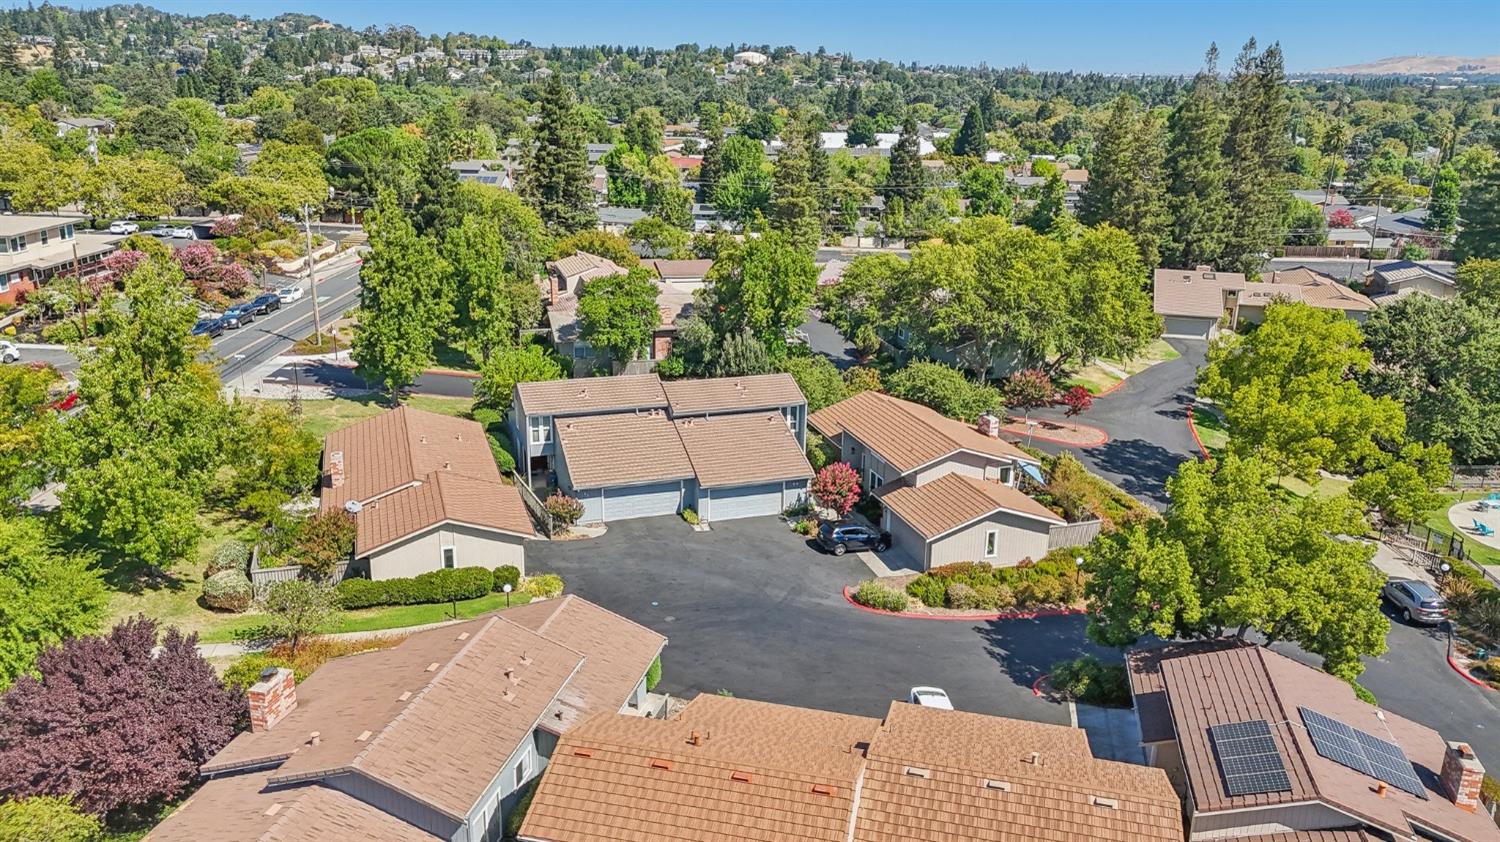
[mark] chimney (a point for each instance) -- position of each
(272, 698)
(696, 738)
(989, 425)
(1462, 776)
(336, 469)
(1203, 267)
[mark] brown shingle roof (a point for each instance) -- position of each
(398, 447)
(1320, 290)
(1192, 292)
(686, 269)
(626, 448)
(1348, 835)
(742, 449)
(939, 506)
(585, 266)
(907, 435)
(1143, 668)
(732, 394)
(441, 497)
(592, 394)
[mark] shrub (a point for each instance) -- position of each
(871, 509)
(324, 540)
(247, 669)
(544, 585)
(806, 526)
(691, 517)
(961, 596)
(46, 817)
(996, 597)
(653, 674)
(507, 574)
(1088, 679)
(230, 555)
(500, 448)
(564, 508)
(228, 590)
(1363, 694)
(876, 595)
(437, 586)
(927, 590)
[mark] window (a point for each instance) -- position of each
(44, 236)
(792, 414)
(66, 232)
(450, 557)
(1006, 475)
(520, 773)
(5, 282)
(876, 480)
(541, 429)
(991, 543)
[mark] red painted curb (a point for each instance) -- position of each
(1453, 663)
(1193, 428)
(1103, 439)
(1037, 685)
(1114, 388)
(966, 618)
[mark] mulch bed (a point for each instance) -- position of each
(1078, 435)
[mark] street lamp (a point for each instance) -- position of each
(242, 371)
(507, 588)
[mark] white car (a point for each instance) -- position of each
(289, 294)
(184, 233)
(161, 231)
(9, 353)
(930, 697)
(120, 226)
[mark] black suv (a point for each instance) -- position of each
(264, 304)
(238, 316)
(211, 327)
(839, 538)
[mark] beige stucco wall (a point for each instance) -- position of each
(423, 553)
(1019, 538)
(1436, 289)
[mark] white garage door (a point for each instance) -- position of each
(1188, 327)
(744, 501)
(642, 500)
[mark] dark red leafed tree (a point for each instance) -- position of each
(1029, 389)
(1077, 400)
(1341, 218)
(111, 725)
(837, 487)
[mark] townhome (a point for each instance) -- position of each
(1390, 282)
(1197, 303)
(744, 771)
(1258, 744)
(433, 740)
(948, 490)
(35, 248)
(633, 446)
(674, 303)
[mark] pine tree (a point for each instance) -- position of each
(796, 208)
(555, 180)
(1125, 184)
(971, 142)
(1196, 172)
(1480, 235)
(712, 129)
(904, 179)
(1443, 211)
(402, 304)
(1256, 147)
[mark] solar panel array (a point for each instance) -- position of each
(1248, 758)
(1363, 752)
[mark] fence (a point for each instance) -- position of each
(1073, 534)
(264, 577)
(539, 512)
(1476, 476)
(1437, 543)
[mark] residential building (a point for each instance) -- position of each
(34, 248)
(634, 446)
(1259, 744)
(91, 125)
(1389, 282)
(566, 277)
(1197, 303)
(425, 494)
(432, 740)
(681, 274)
(493, 172)
(735, 770)
(1350, 238)
(617, 220)
(751, 58)
(948, 489)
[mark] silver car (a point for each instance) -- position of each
(1417, 601)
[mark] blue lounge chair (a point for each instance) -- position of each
(1482, 529)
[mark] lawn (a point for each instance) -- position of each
(1438, 519)
(376, 619)
(1211, 429)
(1101, 375)
(321, 417)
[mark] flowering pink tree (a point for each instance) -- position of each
(1341, 218)
(210, 274)
(1028, 389)
(1077, 400)
(836, 487)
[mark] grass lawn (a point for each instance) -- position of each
(376, 619)
(1211, 429)
(1324, 488)
(1438, 519)
(446, 356)
(321, 417)
(1102, 374)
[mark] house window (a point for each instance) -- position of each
(876, 480)
(792, 415)
(541, 429)
(5, 283)
(450, 557)
(65, 233)
(44, 236)
(1005, 474)
(991, 543)
(520, 773)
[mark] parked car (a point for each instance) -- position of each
(265, 303)
(1417, 601)
(162, 231)
(211, 326)
(289, 294)
(839, 538)
(184, 232)
(238, 316)
(121, 226)
(930, 697)
(9, 353)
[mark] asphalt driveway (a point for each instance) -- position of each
(751, 608)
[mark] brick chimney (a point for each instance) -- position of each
(1462, 776)
(272, 698)
(989, 425)
(336, 469)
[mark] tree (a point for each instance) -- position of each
(764, 286)
(1197, 171)
(298, 609)
(817, 378)
(862, 131)
(1403, 491)
(502, 371)
(970, 142)
(944, 389)
(1479, 281)
(1303, 223)
(26, 417)
(1049, 200)
(644, 130)
(490, 287)
(906, 179)
(798, 199)
(1341, 218)
(555, 180)
(618, 314)
(1078, 400)
(1140, 584)
(377, 160)
(1126, 185)
(401, 305)
(271, 453)
(46, 595)
(739, 354)
(599, 244)
(46, 817)
(658, 238)
(987, 191)
(116, 722)
(836, 487)
(1256, 149)
(1443, 209)
(741, 185)
(141, 186)
(1289, 394)
(1109, 313)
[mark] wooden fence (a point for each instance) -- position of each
(1476, 476)
(1074, 534)
(264, 577)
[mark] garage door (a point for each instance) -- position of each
(642, 501)
(744, 501)
(1192, 327)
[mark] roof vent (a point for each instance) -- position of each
(658, 763)
(510, 673)
(404, 696)
(273, 809)
(914, 772)
(525, 660)
(363, 735)
(695, 738)
(583, 752)
(1002, 786)
(315, 738)
(824, 789)
(742, 777)
(422, 439)
(1035, 758)
(508, 694)
(1107, 803)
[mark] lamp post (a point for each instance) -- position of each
(507, 588)
(242, 370)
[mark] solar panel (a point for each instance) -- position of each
(1248, 758)
(1362, 751)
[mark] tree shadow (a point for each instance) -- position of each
(1140, 467)
(1026, 650)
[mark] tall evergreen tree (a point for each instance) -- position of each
(402, 305)
(796, 199)
(1480, 236)
(970, 141)
(904, 181)
(1125, 182)
(1196, 171)
(555, 180)
(1443, 211)
(1256, 147)
(644, 131)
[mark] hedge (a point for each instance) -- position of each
(653, 674)
(506, 574)
(438, 586)
(876, 595)
(543, 586)
(230, 555)
(970, 585)
(228, 590)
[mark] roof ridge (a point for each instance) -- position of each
(1286, 716)
(599, 607)
(556, 610)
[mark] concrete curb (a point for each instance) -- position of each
(1102, 439)
(1453, 664)
(452, 372)
(1193, 429)
(965, 618)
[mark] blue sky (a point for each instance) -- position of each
(1155, 36)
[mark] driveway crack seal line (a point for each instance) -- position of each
(967, 618)
(1453, 662)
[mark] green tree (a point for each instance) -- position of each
(1480, 212)
(1109, 312)
(1443, 210)
(491, 293)
(905, 181)
(26, 418)
(944, 389)
(402, 306)
(659, 238)
(1048, 204)
(375, 160)
(970, 142)
(818, 379)
(1140, 584)
(46, 595)
(798, 207)
(1404, 490)
(618, 314)
(499, 375)
(741, 185)
(600, 244)
(555, 179)
(987, 191)
(1256, 146)
(1479, 281)
(764, 286)
(644, 130)
(46, 817)
(141, 186)
(297, 609)
(1126, 185)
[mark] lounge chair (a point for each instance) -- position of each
(1482, 529)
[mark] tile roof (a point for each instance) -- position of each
(1406, 270)
(686, 269)
(1143, 668)
(733, 769)
(742, 448)
(1192, 292)
(907, 435)
(625, 448)
(583, 266)
(592, 394)
(398, 447)
(441, 497)
(940, 506)
(1240, 683)
(1348, 835)
(732, 394)
(1319, 290)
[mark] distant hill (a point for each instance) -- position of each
(1420, 66)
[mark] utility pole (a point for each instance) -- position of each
(312, 278)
